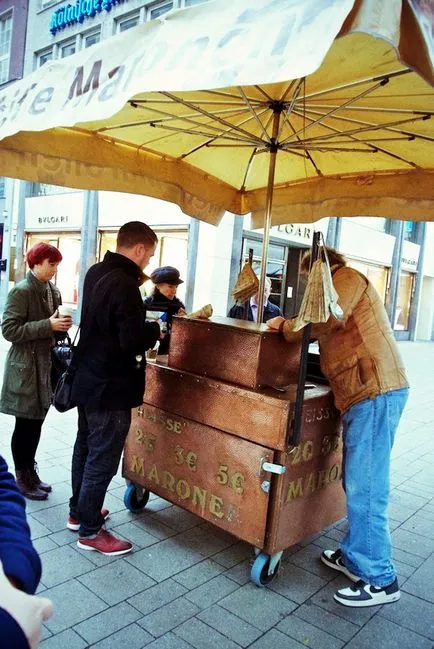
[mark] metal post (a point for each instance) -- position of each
(7, 236)
(20, 270)
(391, 299)
(89, 235)
(267, 218)
(298, 407)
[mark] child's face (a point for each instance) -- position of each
(168, 290)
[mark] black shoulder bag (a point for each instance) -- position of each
(62, 400)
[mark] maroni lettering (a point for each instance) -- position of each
(185, 490)
(308, 484)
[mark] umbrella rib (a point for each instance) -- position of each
(228, 94)
(374, 148)
(373, 127)
(254, 114)
(347, 103)
(208, 143)
(354, 84)
(139, 102)
(288, 90)
(262, 91)
(207, 114)
(312, 161)
(168, 118)
(358, 121)
(248, 167)
(207, 135)
(290, 107)
(379, 109)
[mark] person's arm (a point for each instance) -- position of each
(21, 562)
(15, 326)
(349, 285)
(135, 334)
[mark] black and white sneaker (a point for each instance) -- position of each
(333, 559)
(362, 594)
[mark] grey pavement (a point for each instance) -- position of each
(187, 584)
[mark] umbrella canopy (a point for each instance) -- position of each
(339, 92)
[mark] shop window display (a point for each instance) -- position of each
(403, 301)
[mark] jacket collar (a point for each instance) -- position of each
(115, 260)
(35, 283)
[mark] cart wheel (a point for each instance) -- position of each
(259, 573)
(131, 502)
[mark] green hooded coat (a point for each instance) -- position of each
(26, 388)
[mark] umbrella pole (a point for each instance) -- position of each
(295, 424)
(269, 203)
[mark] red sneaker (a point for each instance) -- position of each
(106, 543)
(73, 523)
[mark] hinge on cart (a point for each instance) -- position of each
(273, 468)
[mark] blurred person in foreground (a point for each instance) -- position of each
(361, 361)
(21, 613)
(270, 309)
(30, 323)
(109, 379)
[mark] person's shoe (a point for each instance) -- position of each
(43, 486)
(73, 523)
(26, 485)
(362, 594)
(333, 559)
(105, 543)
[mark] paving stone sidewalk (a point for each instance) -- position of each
(187, 584)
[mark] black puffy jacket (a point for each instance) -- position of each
(114, 337)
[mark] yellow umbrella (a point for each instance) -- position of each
(306, 110)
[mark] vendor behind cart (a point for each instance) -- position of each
(270, 309)
(166, 280)
(360, 359)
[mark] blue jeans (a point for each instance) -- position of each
(97, 451)
(369, 429)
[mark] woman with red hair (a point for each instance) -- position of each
(30, 321)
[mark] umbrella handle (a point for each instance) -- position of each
(294, 428)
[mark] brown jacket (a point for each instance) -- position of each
(359, 356)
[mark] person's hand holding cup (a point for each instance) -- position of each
(62, 319)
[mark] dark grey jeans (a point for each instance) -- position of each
(97, 451)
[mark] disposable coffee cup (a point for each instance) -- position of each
(66, 311)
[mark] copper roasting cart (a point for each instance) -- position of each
(212, 436)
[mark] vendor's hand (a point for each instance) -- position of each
(29, 611)
(181, 311)
(275, 323)
(61, 324)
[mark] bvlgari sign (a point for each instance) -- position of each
(71, 14)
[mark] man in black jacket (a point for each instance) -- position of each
(270, 309)
(109, 379)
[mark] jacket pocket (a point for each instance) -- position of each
(21, 378)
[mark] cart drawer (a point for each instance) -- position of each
(260, 417)
(241, 352)
(206, 471)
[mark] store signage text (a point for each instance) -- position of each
(72, 14)
(296, 230)
(45, 220)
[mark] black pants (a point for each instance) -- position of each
(25, 440)
(97, 451)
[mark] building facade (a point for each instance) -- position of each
(13, 26)
(83, 224)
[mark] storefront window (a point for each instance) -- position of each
(377, 275)
(403, 301)
(67, 275)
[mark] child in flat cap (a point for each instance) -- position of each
(166, 280)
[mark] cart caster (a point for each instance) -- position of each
(132, 501)
(265, 568)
